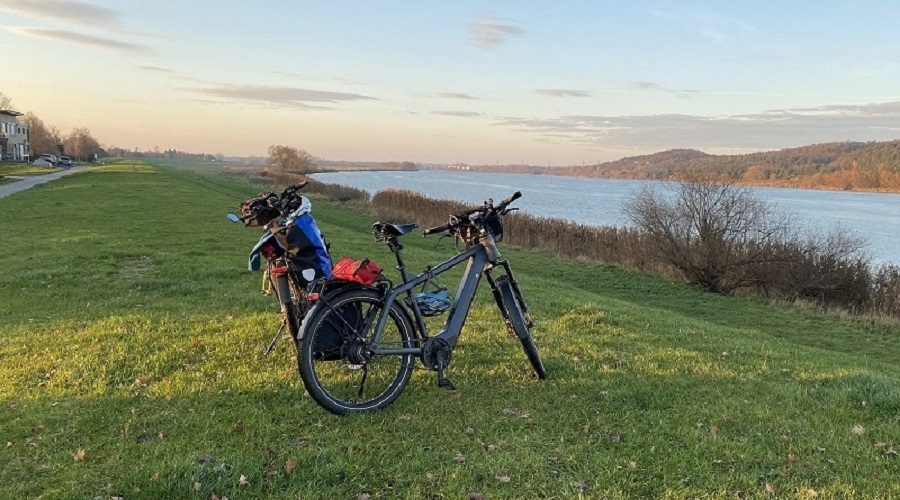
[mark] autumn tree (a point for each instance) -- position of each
(44, 139)
(81, 145)
(289, 159)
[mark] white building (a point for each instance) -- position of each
(14, 137)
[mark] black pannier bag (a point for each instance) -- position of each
(259, 210)
(341, 325)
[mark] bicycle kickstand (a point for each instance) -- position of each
(443, 382)
(274, 339)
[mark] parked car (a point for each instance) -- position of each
(48, 158)
(65, 161)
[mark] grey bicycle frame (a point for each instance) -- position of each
(459, 311)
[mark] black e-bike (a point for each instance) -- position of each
(359, 343)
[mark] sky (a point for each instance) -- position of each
(441, 81)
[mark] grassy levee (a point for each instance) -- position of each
(130, 365)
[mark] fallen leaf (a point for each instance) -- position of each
(243, 480)
(791, 459)
(363, 496)
(459, 458)
(476, 496)
(769, 489)
(290, 465)
(197, 486)
(581, 487)
(586, 429)
(470, 431)
(238, 426)
(811, 493)
(503, 478)
(858, 430)
(79, 455)
(880, 445)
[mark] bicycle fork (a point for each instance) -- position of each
(529, 322)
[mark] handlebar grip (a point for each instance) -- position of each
(515, 196)
(438, 229)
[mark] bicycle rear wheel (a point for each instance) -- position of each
(336, 362)
(512, 313)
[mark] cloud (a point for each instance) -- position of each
(709, 24)
(81, 39)
(455, 95)
(488, 33)
(683, 93)
(277, 96)
(71, 11)
(463, 114)
(750, 132)
(564, 93)
(155, 69)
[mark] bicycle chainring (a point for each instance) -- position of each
(436, 352)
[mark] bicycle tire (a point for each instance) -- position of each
(331, 373)
(513, 314)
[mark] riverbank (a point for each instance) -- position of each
(160, 391)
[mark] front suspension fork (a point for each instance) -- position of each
(529, 322)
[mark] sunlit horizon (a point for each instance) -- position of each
(477, 82)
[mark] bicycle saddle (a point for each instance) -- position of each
(394, 229)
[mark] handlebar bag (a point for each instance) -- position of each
(259, 210)
(358, 271)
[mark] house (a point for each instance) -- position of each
(14, 137)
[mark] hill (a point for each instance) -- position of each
(837, 165)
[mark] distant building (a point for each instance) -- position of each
(14, 137)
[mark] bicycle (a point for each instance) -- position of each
(362, 336)
(294, 250)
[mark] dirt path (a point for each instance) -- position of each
(27, 182)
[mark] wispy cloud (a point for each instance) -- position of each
(81, 39)
(277, 96)
(564, 93)
(769, 130)
(683, 93)
(707, 23)
(155, 69)
(455, 95)
(462, 114)
(71, 11)
(488, 32)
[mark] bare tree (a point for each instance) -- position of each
(290, 159)
(43, 139)
(81, 145)
(714, 234)
(6, 102)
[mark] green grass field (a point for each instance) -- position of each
(130, 366)
(8, 168)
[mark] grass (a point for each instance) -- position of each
(131, 367)
(24, 169)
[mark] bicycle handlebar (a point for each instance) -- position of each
(455, 221)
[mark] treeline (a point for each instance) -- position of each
(171, 154)
(858, 166)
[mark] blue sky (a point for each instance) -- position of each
(540, 82)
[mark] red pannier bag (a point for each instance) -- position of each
(359, 271)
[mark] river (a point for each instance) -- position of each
(873, 216)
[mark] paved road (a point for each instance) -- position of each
(27, 182)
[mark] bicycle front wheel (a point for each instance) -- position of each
(512, 313)
(337, 365)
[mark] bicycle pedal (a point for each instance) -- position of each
(445, 383)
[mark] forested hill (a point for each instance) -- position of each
(835, 165)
